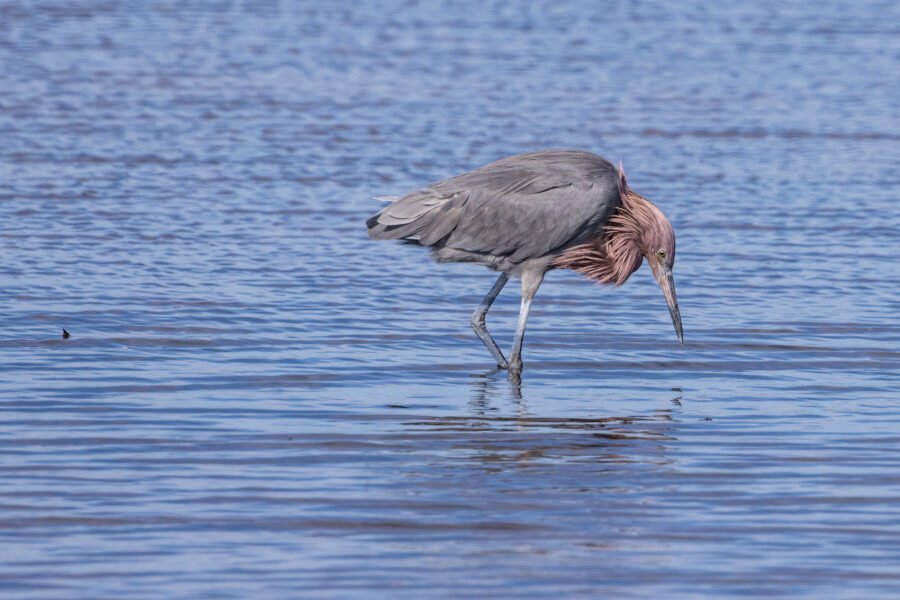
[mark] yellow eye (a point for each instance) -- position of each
(661, 254)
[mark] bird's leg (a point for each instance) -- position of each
(531, 281)
(479, 325)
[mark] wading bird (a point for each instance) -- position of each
(531, 213)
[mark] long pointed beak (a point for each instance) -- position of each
(667, 283)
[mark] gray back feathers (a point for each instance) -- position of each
(521, 207)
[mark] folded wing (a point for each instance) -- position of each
(520, 207)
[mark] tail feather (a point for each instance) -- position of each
(423, 217)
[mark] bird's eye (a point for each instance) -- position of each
(661, 254)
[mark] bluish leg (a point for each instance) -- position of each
(479, 321)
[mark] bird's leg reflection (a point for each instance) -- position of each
(486, 387)
(515, 385)
(480, 401)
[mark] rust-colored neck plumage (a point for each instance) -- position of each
(637, 229)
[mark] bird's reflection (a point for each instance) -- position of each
(498, 408)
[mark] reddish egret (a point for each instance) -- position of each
(527, 214)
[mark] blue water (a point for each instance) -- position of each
(258, 401)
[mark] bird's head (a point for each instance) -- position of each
(652, 235)
(657, 243)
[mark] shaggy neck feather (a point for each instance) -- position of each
(619, 250)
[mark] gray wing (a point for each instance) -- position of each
(520, 207)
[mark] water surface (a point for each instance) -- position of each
(258, 401)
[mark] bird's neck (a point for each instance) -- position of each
(618, 251)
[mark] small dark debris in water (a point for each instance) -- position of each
(677, 390)
(66, 334)
(396, 406)
(707, 418)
